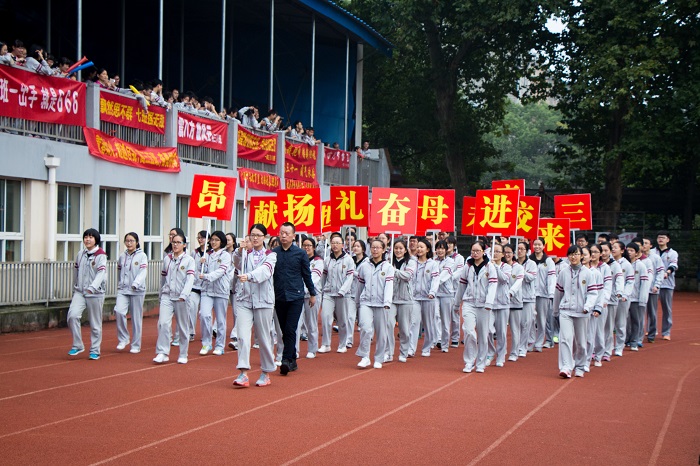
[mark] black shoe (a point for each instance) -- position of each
(293, 366)
(438, 345)
(284, 368)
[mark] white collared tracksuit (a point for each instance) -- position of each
(574, 301)
(255, 302)
(309, 315)
(655, 281)
(527, 320)
(597, 280)
(425, 284)
(476, 294)
(216, 287)
(618, 285)
(131, 291)
(374, 295)
(177, 277)
(196, 294)
(669, 257)
(89, 282)
(404, 303)
(338, 275)
(544, 291)
(638, 302)
(500, 313)
(515, 316)
(456, 317)
(353, 305)
(623, 305)
(596, 326)
(445, 297)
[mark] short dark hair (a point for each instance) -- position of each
(441, 244)
(663, 233)
(291, 225)
(222, 237)
(573, 249)
(95, 234)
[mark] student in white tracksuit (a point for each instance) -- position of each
(89, 284)
(358, 256)
(638, 298)
(618, 285)
(623, 295)
(527, 321)
(515, 315)
(177, 277)
(216, 286)
(374, 295)
(255, 301)
(404, 271)
(338, 274)
(425, 287)
(199, 256)
(596, 335)
(669, 257)
(475, 295)
(544, 291)
(456, 326)
(445, 294)
(501, 308)
(233, 276)
(574, 301)
(310, 313)
(596, 280)
(656, 265)
(132, 268)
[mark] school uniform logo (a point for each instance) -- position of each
(136, 263)
(182, 267)
(383, 274)
(514, 276)
(583, 282)
(93, 263)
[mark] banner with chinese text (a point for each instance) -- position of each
(298, 184)
(509, 184)
(436, 210)
(300, 162)
(263, 210)
(115, 150)
(205, 132)
(394, 210)
(528, 216)
(577, 208)
(326, 218)
(349, 206)
(35, 97)
(468, 207)
(212, 196)
(261, 181)
(126, 111)
(555, 233)
(302, 207)
(496, 212)
(336, 158)
(257, 148)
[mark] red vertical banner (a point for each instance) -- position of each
(302, 207)
(555, 233)
(394, 210)
(496, 212)
(264, 210)
(528, 216)
(212, 196)
(577, 208)
(349, 206)
(326, 218)
(436, 210)
(509, 184)
(468, 207)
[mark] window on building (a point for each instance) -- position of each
(69, 222)
(240, 221)
(181, 219)
(108, 227)
(11, 235)
(152, 243)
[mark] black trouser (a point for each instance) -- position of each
(288, 314)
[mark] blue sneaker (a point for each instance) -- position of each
(94, 356)
(74, 351)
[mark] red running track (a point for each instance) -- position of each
(642, 408)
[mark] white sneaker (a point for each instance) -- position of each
(598, 364)
(377, 365)
(512, 357)
(402, 359)
(324, 349)
(122, 345)
(618, 353)
(205, 350)
(218, 352)
(342, 349)
(182, 360)
(310, 355)
(135, 350)
(467, 369)
(256, 346)
(522, 354)
(161, 358)
(499, 364)
(278, 363)
(388, 358)
(425, 354)
(364, 362)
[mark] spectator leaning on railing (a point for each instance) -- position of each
(249, 117)
(36, 62)
(5, 57)
(272, 122)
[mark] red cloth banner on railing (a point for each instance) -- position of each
(258, 180)
(115, 150)
(257, 148)
(195, 131)
(336, 158)
(126, 111)
(299, 184)
(300, 163)
(35, 97)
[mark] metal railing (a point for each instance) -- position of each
(368, 172)
(24, 283)
(262, 167)
(202, 155)
(336, 176)
(133, 135)
(51, 131)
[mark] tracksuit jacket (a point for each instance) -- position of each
(177, 276)
(477, 290)
(133, 270)
(375, 284)
(338, 275)
(575, 291)
(90, 272)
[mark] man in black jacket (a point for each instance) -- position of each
(292, 272)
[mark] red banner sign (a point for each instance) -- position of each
(257, 148)
(212, 196)
(326, 218)
(261, 181)
(394, 210)
(263, 210)
(195, 131)
(468, 207)
(575, 207)
(555, 233)
(496, 212)
(509, 184)
(298, 184)
(436, 210)
(115, 150)
(336, 158)
(349, 206)
(126, 111)
(302, 207)
(300, 162)
(35, 97)
(528, 216)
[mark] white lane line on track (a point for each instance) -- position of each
(226, 419)
(373, 421)
(669, 415)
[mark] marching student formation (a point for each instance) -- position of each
(598, 302)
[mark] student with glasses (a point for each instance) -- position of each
(216, 284)
(338, 273)
(132, 268)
